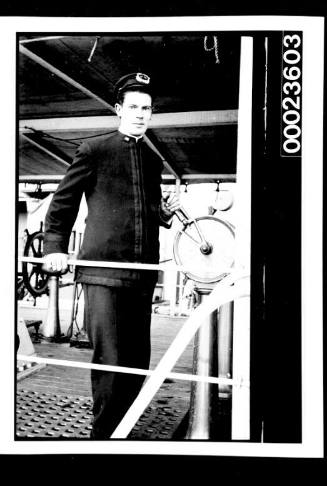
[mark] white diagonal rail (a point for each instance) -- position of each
(226, 290)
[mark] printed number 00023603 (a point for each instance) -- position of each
(291, 103)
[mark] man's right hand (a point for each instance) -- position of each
(56, 263)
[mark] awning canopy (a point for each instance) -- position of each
(65, 95)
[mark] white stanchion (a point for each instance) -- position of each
(241, 321)
(223, 292)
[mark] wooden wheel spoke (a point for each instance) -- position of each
(35, 279)
(39, 249)
(33, 249)
(32, 271)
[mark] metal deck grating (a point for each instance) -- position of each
(53, 416)
(52, 403)
(158, 422)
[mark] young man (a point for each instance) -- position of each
(120, 177)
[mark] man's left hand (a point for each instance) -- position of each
(170, 203)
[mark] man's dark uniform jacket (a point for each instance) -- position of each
(121, 180)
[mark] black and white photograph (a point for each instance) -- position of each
(164, 290)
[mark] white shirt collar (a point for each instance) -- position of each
(131, 136)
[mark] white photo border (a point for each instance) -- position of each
(312, 264)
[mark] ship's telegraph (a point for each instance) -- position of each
(205, 247)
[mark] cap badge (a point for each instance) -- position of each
(142, 78)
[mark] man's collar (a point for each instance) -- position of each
(130, 136)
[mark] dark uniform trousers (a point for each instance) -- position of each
(117, 320)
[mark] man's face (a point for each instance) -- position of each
(135, 113)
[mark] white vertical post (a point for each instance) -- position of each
(171, 278)
(241, 325)
(170, 282)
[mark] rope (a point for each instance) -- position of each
(214, 47)
(93, 48)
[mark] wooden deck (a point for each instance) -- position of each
(61, 382)
(76, 380)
